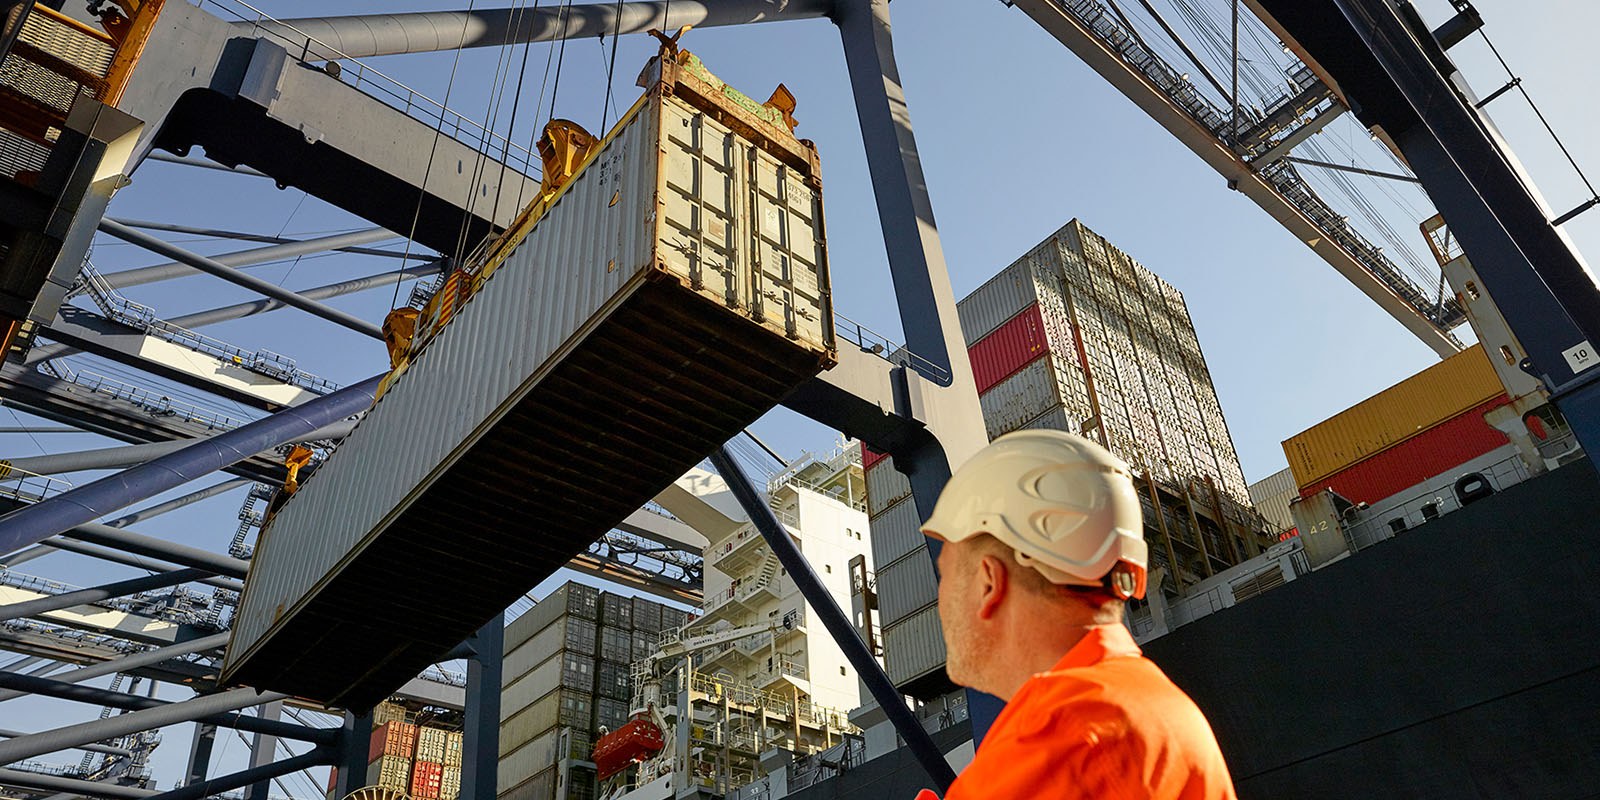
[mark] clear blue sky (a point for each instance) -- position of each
(1017, 136)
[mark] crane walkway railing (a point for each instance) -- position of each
(1096, 19)
(143, 318)
(374, 83)
(150, 402)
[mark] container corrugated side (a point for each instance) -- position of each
(585, 293)
(885, 486)
(571, 599)
(560, 707)
(390, 772)
(1007, 348)
(529, 759)
(1022, 397)
(896, 531)
(1438, 393)
(1429, 454)
(913, 648)
(870, 457)
(1055, 419)
(1271, 496)
(539, 787)
(568, 634)
(997, 300)
(906, 585)
(562, 670)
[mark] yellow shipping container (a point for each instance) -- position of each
(1438, 393)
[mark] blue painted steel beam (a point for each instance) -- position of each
(480, 741)
(78, 506)
(1401, 84)
(835, 621)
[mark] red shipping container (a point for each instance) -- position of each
(427, 778)
(870, 456)
(393, 739)
(333, 777)
(1433, 452)
(1008, 348)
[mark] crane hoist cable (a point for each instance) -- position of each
(438, 133)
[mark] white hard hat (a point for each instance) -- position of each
(1066, 505)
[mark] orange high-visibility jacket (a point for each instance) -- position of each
(1103, 723)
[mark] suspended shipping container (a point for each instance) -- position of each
(668, 295)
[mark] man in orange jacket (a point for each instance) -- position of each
(1043, 545)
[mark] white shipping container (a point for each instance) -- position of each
(539, 787)
(431, 744)
(896, 531)
(1034, 278)
(1055, 419)
(560, 707)
(683, 254)
(572, 599)
(885, 486)
(1009, 404)
(562, 670)
(566, 633)
(906, 586)
(531, 758)
(914, 646)
(450, 782)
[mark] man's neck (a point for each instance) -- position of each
(1039, 651)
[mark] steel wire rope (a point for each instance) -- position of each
(1378, 220)
(511, 126)
(1210, 31)
(24, 426)
(1340, 183)
(1521, 89)
(544, 83)
(438, 133)
(611, 70)
(491, 112)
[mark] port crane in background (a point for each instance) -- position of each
(262, 110)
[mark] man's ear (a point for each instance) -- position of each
(994, 581)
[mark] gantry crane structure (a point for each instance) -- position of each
(294, 102)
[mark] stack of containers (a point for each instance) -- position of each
(438, 765)
(1422, 427)
(548, 680)
(390, 755)
(1073, 336)
(567, 673)
(617, 640)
